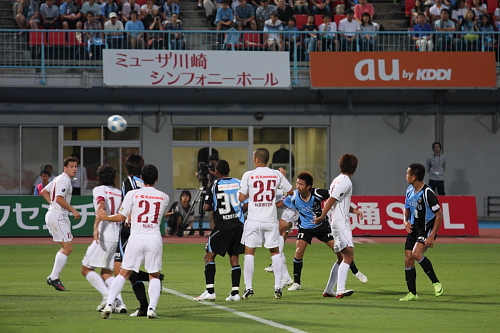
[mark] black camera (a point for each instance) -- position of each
(204, 170)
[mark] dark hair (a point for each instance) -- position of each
(262, 154)
(369, 18)
(213, 157)
(106, 175)
(421, 8)
(90, 13)
(69, 159)
(420, 14)
(222, 167)
(133, 12)
(275, 14)
(488, 23)
(48, 165)
(445, 10)
(436, 143)
(134, 164)
(149, 174)
(307, 177)
(186, 192)
(417, 170)
(308, 16)
(326, 15)
(225, 1)
(295, 21)
(45, 172)
(349, 11)
(348, 164)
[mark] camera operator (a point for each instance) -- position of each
(207, 175)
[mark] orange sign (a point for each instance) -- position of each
(403, 70)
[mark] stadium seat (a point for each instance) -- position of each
(492, 5)
(37, 38)
(409, 4)
(57, 38)
(252, 41)
(339, 18)
(318, 19)
(300, 21)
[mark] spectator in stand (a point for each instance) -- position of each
(310, 39)
(291, 36)
(480, 9)
(27, 14)
(347, 27)
(44, 176)
(458, 13)
(271, 32)
(92, 7)
(50, 169)
(284, 11)
(171, 8)
(177, 38)
(50, 15)
(161, 9)
(224, 19)
(497, 16)
(149, 11)
(363, 7)
(301, 7)
(107, 8)
(420, 8)
(435, 10)
(127, 8)
(321, 7)
(486, 39)
(445, 24)
(234, 4)
(95, 42)
(244, 16)
(135, 39)
(70, 15)
(156, 40)
(211, 6)
(470, 40)
(263, 13)
(367, 39)
(423, 39)
(114, 38)
(327, 41)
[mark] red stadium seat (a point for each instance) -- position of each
(492, 5)
(318, 19)
(57, 38)
(37, 38)
(300, 21)
(409, 4)
(252, 40)
(339, 18)
(72, 40)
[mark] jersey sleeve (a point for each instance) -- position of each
(209, 197)
(244, 184)
(321, 194)
(126, 207)
(338, 192)
(287, 201)
(432, 200)
(407, 202)
(285, 184)
(99, 195)
(62, 187)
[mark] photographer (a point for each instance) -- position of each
(178, 212)
(206, 171)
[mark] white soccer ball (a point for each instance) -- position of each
(117, 124)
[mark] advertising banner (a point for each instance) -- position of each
(361, 70)
(196, 69)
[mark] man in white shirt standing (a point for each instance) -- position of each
(145, 245)
(58, 194)
(338, 206)
(261, 228)
(347, 27)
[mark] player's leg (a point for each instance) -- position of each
(344, 245)
(418, 255)
(410, 272)
(60, 229)
(154, 294)
(249, 267)
(300, 248)
(235, 278)
(332, 280)
(277, 259)
(107, 276)
(114, 290)
(209, 293)
(98, 283)
(355, 271)
(284, 226)
(152, 257)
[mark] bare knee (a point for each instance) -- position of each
(86, 270)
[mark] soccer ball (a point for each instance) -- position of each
(117, 123)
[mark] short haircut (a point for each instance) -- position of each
(349, 11)
(326, 15)
(133, 12)
(417, 170)
(134, 164)
(106, 175)
(420, 14)
(225, 2)
(47, 166)
(445, 10)
(69, 159)
(275, 14)
(292, 19)
(262, 154)
(90, 13)
(185, 192)
(149, 174)
(307, 177)
(348, 164)
(45, 172)
(436, 143)
(222, 167)
(213, 157)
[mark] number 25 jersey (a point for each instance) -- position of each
(261, 186)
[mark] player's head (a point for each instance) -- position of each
(213, 158)
(106, 175)
(262, 155)
(49, 168)
(45, 175)
(415, 172)
(348, 164)
(149, 174)
(222, 168)
(70, 166)
(186, 194)
(134, 164)
(304, 182)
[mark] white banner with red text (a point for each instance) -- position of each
(196, 69)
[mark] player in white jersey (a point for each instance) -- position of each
(338, 206)
(58, 195)
(100, 254)
(145, 245)
(260, 186)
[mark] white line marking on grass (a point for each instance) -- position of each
(236, 312)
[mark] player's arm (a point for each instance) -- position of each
(406, 220)
(245, 207)
(64, 204)
(434, 206)
(100, 206)
(328, 205)
(357, 212)
(46, 195)
(101, 214)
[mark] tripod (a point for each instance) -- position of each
(199, 199)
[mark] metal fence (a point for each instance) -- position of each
(44, 49)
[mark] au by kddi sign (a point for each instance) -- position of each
(352, 70)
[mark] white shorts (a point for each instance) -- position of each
(100, 255)
(147, 250)
(342, 238)
(59, 227)
(256, 234)
(290, 215)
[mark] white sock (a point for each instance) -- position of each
(282, 243)
(109, 282)
(154, 293)
(115, 289)
(277, 269)
(332, 281)
(248, 270)
(284, 271)
(59, 264)
(343, 270)
(97, 282)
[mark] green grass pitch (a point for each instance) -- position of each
(469, 273)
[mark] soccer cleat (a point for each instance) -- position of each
(152, 314)
(205, 297)
(162, 277)
(106, 312)
(361, 277)
(247, 294)
(329, 293)
(234, 298)
(139, 313)
(269, 268)
(345, 293)
(56, 284)
(409, 297)
(285, 282)
(101, 305)
(120, 309)
(295, 286)
(438, 289)
(277, 293)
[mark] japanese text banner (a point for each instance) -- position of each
(196, 69)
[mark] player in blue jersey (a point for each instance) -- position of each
(422, 218)
(226, 235)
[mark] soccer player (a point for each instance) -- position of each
(58, 194)
(147, 206)
(102, 250)
(422, 218)
(340, 205)
(227, 233)
(307, 201)
(261, 228)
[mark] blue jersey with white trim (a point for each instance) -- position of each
(310, 209)
(422, 205)
(223, 198)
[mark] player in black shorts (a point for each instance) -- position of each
(226, 235)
